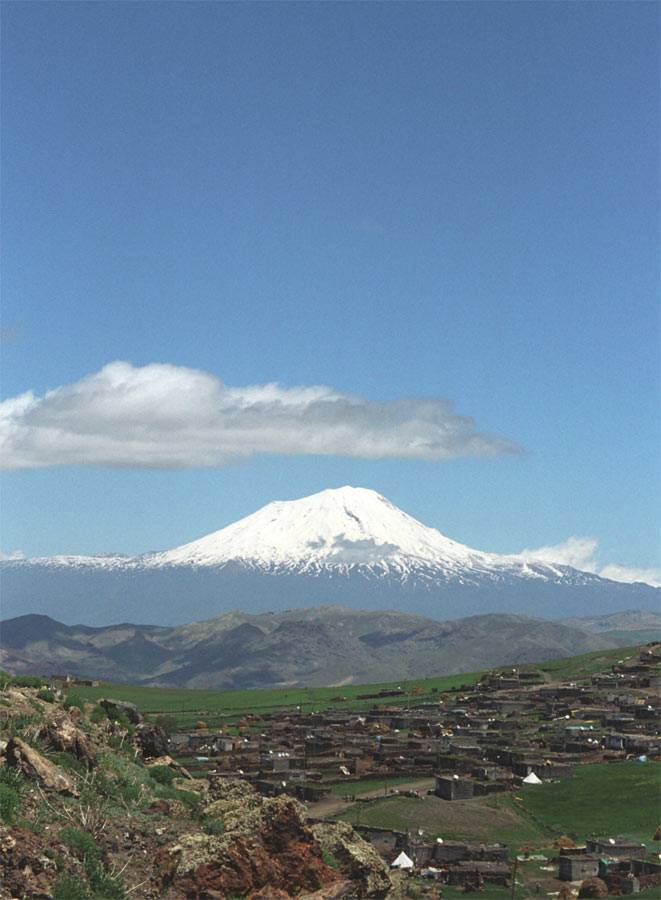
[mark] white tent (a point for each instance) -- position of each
(402, 862)
(532, 779)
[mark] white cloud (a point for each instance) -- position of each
(579, 552)
(165, 416)
(15, 554)
(624, 573)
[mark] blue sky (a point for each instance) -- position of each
(254, 250)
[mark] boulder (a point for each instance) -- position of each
(357, 859)
(266, 850)
(130, 710)
(150, 740)
(61, 735)
(32, 764)
(172, 763)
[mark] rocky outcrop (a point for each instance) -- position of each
(266, 851)
(172, 764)
(61, 734)
(150, 740)
(32, 764)
(124, 708)
(357, 860)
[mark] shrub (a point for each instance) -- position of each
(212, 825)
(72, 700)
(9, 803)
(162, 774)
(98, 714)
(200, 725)
(70, 887)
(82, 842)
(28, 681)
(106, 886)
(121, 720)
(329, 860)
(12, 777)
(5, 680)
(46, 695)
(168, 723)
(67, 762)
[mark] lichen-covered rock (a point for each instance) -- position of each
(357, 859)
(61, 734)
(31, 763)
(266, 851)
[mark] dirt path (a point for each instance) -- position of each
(331, 805)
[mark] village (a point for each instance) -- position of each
(512, 728)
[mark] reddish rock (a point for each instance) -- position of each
(280, 858)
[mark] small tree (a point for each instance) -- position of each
(168, 723)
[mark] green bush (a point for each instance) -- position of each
(70, 887)
(168, 723)
(329, 860)
(214, 826)
(72, 700)
(9, 803)
(98, 714)
(12, 777)
(46, 695)
(162, 774)
(28, 681)
(81, 841)
(105, 885)
(67, 762)
(5, 680)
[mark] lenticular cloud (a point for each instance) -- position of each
(170, 417)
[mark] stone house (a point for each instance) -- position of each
(452, 787)
(577, 868)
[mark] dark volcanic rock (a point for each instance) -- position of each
(151, 740)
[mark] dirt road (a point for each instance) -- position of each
(332, 805)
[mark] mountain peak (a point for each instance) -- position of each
(335, 527)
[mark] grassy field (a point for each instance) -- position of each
(577, 667)
(479, 819)
(217, 708)
(364, 787)
(601, 800)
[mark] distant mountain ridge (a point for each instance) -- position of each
(347, 546)
(312, 647)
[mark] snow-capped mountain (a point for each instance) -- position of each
(349, 545)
